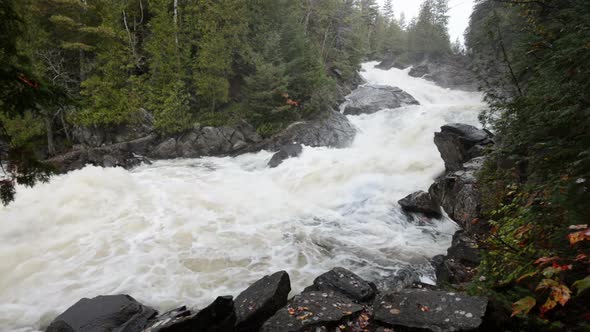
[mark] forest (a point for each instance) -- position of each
(67, 64)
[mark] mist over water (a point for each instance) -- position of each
(185, 231)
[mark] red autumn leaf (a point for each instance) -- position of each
(546, 260)
(523, 306)
(581, 257)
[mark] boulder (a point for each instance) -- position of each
(261, 300)
(286, 152)
(459, 143)
(459, 195)
(312, 310)
(331, 130)
(420, 202)
(120, 313)
(430, 310)
(219, 316)
(419, 71)
(373, 98)
(344, 282)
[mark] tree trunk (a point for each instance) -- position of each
(49, 130)
(176, 21)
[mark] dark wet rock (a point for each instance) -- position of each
(461, 261)
(332, 130)
(344, 282)
(459, 143)
(420, 202)
(261, 300)
(391, 62)
(120, 313)
(124, 155)
(219, 316)
(459, 195)
(286, 152)
(419, 71)
(312, 310)
(464, 249)
(430, 310)
(405, 278)
(373, 98)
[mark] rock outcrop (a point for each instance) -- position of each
(286, 152)
(458, 266)
(430, 310)
(420, 202)
(459, 143)
(104, 313)
(454, 71)
(459, 195)
(373, 98)
(261, 300)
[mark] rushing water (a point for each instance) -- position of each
(184, 231)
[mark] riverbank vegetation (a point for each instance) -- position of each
(533, 57)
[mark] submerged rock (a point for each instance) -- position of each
(219, 316)
(430, 310)
(344, 282)
(459, 143)
(286, 152)
(420, 202)
(104, 313)
(373, 98)
(261, 300)
(405, 278)
(312, 310)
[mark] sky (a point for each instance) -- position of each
(459, 13)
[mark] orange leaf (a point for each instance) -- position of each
(579, 236)
(523, 306)
(561, 294)
(549, 304)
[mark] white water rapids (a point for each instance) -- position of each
(185, 231)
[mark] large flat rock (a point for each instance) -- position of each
(373, 98)
(312, 310)
(345, 282)
(430, 310)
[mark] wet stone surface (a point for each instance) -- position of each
(312, 310)
(431, 310)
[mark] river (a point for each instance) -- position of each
(185, 231)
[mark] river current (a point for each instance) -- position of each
(185, 231)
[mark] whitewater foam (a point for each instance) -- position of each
(185, 231)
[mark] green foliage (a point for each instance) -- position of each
(536, 186)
